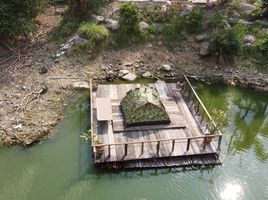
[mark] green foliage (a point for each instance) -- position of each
(17, 17)
(194, 21)
(262, 44)
(67, 27)
(217, 21)
(228, 42)
(220, 118)
(129, 18)
(173, 31)
(129, 26)
(97, 35)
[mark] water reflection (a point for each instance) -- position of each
(232, 191)
(248, 116)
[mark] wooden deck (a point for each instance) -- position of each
(177, 144)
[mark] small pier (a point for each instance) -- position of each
(191, 138)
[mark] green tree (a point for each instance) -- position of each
(17, 17)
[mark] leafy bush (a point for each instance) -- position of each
(129, 18)
(97, 35)
(17, 17)
(228, 42)
(262, 44)
(217, 21)
(173, 31)
(67, 27)
(194, 21)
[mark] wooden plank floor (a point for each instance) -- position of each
(169, 92)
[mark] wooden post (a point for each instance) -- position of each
(219, 142)
(142, 147)
(173, 145)
(198, 107)
(157, 147)
(109, 150)
(126, 146)
(188, 144)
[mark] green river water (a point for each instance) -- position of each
(60, 168)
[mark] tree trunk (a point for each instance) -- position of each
(79, 9)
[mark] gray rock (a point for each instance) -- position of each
(97, 18)
(129, 77)
(246, 23)
(146, 74)
(248, 45)
(205, 49)
(232, 20)
(116, 12)
(102, 11)
(158, 27)
(261, 22)
(226, 25)
(247, 8)
(166, 68)
(78, 40)
(65, 46)
(143, 26)
(249, 39)
(201, 37)
(235, 15)
(80, 85)
(43, 70)
(122, 73)
(103, 67)
(112, 24)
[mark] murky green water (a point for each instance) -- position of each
(60, 169)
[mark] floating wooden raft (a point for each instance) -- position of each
(192, 138)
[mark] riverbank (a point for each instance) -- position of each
(35, 90)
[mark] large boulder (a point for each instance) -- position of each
(147, 74)
(111, 24)
(249, 39)
(245, 23)
(262, 22)
(130, 77)
(122, 73)
(205, 49)
(247, 8)
(166, 68)
(78, 40)
(201, 37)
(97, 19)
(143, 26)
(102, 11)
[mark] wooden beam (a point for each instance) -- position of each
(159, 140)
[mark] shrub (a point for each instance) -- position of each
(262, 44)
(67, 27)
(217, 21)
(173, 31)
(228, 42)
(17, 17)
(129, 18)
(97, 35)
(194, 21)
